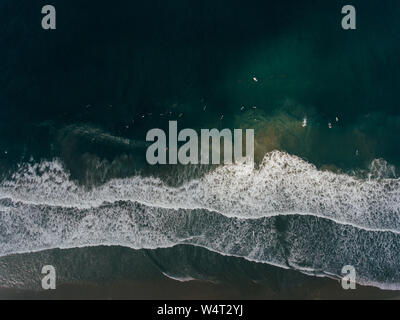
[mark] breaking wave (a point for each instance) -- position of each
(286, 212)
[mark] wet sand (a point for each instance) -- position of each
(167, 289)
(140, 277)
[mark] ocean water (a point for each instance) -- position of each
(77, 102)
(286, 213)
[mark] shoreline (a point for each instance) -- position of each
(104, 273)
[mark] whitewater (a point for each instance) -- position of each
(285, 212)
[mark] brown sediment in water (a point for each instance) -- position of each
(280, 131)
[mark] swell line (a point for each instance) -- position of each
(242, 217)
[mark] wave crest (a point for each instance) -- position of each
(286, 212)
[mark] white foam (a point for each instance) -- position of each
(180, 279)
(331, 219)
(283, 184)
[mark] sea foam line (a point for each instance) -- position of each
(237, 206)
(282, 185)
(139, 227)
(176, 208)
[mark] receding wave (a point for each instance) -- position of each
(286, 212)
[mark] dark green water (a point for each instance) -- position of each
(156, 57)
